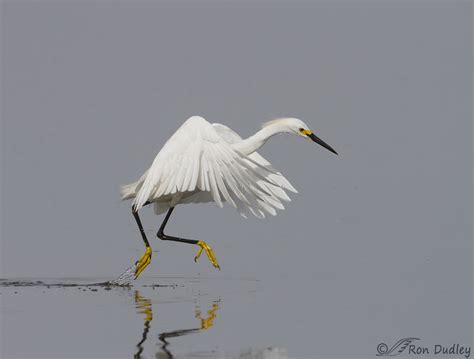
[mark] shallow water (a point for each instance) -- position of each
(152, 318)
(323, 316)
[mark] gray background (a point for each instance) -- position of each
(92, 90)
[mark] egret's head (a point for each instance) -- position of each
(298, 127)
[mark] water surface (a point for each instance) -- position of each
(152, 318)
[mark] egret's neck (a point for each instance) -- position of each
(253, 143)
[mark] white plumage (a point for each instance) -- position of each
(204, 162)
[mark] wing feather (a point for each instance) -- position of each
(205, 174)
(219, 177)
(213, 183)
(195, 172)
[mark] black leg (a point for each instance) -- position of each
(145, 259)
(164, 237)
(202, 245)
(140, 227)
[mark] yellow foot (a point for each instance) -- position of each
(208, 322)
(209, 252)
(143, 262)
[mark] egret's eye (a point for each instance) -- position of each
(301, 129)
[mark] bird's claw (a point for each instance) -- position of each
(210, 254)
(143, 262)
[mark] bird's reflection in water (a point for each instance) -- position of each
(144, 306)
(206, 323)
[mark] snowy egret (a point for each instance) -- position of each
(204, 162)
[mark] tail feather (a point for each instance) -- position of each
(130, 190)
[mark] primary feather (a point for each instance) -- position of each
(200, 164)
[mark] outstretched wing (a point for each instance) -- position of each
(196, 158)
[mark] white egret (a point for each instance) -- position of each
(204, 162)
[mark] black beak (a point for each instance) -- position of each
(322, 143)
